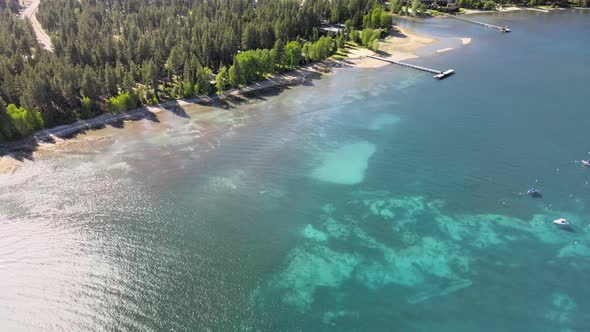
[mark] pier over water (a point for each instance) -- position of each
(501, 29)
(439, 74)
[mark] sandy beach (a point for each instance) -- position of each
(8, 164)
(511, 9)
(400, 45)
(499, 9)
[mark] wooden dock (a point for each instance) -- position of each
(491, 26)
(439, 74)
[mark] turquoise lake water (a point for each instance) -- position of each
(367, 200)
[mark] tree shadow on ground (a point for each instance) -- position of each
(233, 101)
(174, 107)
(383, 53)
(397, 33)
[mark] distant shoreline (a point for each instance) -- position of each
(513, 9)
(400, 45)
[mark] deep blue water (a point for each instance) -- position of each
(367, 200)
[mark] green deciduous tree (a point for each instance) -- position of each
(235, 75)
(24, 121)
(368, 37)
(378, 18)
(396, 6)
(188, 89)
(489, 5)
(203, 81)
(416, 7)
(123, 102)
(222, 79)
(292, 54)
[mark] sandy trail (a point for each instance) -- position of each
(30, 13)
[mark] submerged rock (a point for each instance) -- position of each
(574, 250)
(563, 307)
(452, 287)
(335, 229)
(331, 317)
(376, 240)
(410, 266)
(311, 267)
(311, 233)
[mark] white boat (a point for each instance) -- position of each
(534, 192)
(586, 163)
(561, 221)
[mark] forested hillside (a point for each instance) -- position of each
(111, 55)
(11, 5)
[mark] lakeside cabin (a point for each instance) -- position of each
(331, 29)
(429, 3)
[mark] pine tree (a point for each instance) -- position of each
(89, 84)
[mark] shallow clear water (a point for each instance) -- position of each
(373, 200)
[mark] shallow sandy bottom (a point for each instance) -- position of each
(8, 165)
(345, 165)
(442, 50)
(464, 41)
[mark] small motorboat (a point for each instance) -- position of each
(585, 163)
(561, 222)
(535, 193)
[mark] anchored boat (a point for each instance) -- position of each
(561, 222)
(535, 193)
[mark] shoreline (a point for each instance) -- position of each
(30, 143)
(402, 44)
(513, 9)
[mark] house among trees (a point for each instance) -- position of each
(430, 3)
(332, 29)
(453, 7)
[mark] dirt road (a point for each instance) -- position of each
(30, 12)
